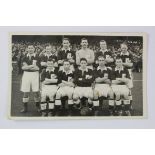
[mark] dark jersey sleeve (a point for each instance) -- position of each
(113, 75)
(23, 60)
(127, 73)
(60, 55)
(97, 54)
(110, 74)
(95, 74)
(76, 76)
(59, 77)
(43, 75)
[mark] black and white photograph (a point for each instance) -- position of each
(77, 75)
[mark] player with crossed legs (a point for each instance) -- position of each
(102, 88)
(30, 78)
(83, 81)
(49, 79)
(66, 88)
(121, 79)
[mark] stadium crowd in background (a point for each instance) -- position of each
(19, 49)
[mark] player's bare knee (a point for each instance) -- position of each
(126, 96)
(117, 95)
(58, 95)
(111, 94)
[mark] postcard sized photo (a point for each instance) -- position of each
(77, 75)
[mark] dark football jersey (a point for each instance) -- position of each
(98, 73)
(126, 58)
(45, 58)
(62, 75)
(31, 60)
(49, 74)
(81, 78)
(106, 54)
(122, 73)
(62, 55)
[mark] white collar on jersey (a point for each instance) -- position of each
(119, 69)
(99, 68)
(30, 55)
(127, 53)
(83, 70)
(50, 70)
(67, 72)
(63, 49)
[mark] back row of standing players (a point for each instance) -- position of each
(70, 77)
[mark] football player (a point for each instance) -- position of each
(105, 53)
(66, 54)
(102, 85)
(30, 78)
(49, 79)
(86, 53)
(83, 81)
(66, 87)
(120, 88)
(48, 55)
(127, 60)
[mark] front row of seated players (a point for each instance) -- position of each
(85, 88)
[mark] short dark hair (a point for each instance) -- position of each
(103, 41)
(30, 45)
(124, 43)
(101, 56)
(65, 39)
(66, 61)
(50, 60)
(84, 39)
(118, 58)
(83, 59)
(48, 45)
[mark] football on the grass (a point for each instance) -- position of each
(85, 111)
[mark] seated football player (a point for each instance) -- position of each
(102, 88)
(120, 88)
(30, 78)
(49, 79)
(105, 53)
(48, 55)
(83, 82)
(66, 87)
(66, 54)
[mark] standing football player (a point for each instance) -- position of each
(30, 78)
(127, 61)
(121, 79)
(49, 79)
(86, 53)
(66, 87)
(105, 53)
(102, 85)
(83, 82)
(66, 54)
(48, 55)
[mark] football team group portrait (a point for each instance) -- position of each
(72, 75)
